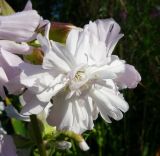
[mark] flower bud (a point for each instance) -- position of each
(63, 145)
(83, 145)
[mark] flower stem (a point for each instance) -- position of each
(38, 135)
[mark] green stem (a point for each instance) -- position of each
(38, 135)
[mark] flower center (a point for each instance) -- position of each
(79, 76)
(78, 79)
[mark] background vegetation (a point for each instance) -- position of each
(138, 134)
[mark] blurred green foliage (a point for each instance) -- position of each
(138, 133)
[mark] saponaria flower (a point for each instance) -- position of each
(14, 30)
(81, 78)
(21, 26)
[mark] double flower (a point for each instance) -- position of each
(77, 80)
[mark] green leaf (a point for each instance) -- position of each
(19, 127)
(5, 8)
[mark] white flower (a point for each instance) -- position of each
(79, 78)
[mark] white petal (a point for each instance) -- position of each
(83, 48)
(36, 78)
(107, 31)
(112, 44)
(47, 28)
(53, 57)
(45, 43)
(85, 113)
(92, 27)
(61, 113)
(109, 104)
(116, 99)
(31, 105)
(102, 72)
(57, 85)
(116, 66)
(97, 51)
(70, 115)
(63, 53)
(71, 42)
(93, 108)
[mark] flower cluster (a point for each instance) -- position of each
(76, 81)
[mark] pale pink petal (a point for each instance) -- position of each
(16, 48)
(129, 78)
(14, 86)
(10, 65)
(43, 23)
(20, 26)
(11, 59)
(7, 146)
(28, 6)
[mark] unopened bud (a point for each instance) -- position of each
(83, 145)
(63, 145)
(78, 138)
(59, 31)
